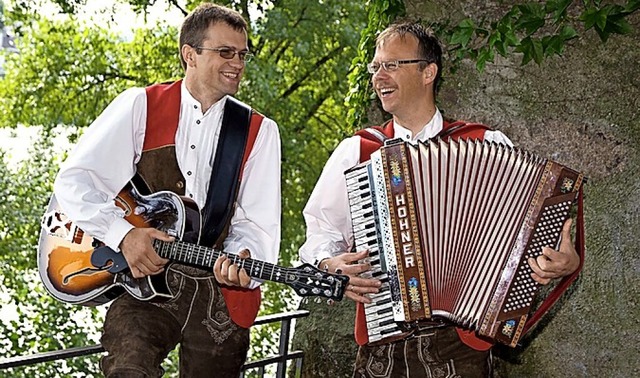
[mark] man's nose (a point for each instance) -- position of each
(380, 73)
(237, 62)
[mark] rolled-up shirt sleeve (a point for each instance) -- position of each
(100, 165)
(256, 223)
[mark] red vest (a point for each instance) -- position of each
(163, 113)
(368, 145)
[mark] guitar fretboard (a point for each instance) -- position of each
(206, 257)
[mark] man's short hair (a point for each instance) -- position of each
(429, 47)
(195, 25)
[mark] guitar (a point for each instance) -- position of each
(76, 268)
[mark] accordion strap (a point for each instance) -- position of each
(458, 129)
(568, 280)
(375, 133)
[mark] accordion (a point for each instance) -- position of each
(450, 226)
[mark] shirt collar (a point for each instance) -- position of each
(192, 103)
(431, 129)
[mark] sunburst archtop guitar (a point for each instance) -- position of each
(78, 269)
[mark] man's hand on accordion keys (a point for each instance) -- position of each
(555, 264)
(352, 265)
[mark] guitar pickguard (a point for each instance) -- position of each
(106, 258)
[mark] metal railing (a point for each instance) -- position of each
(280, 360)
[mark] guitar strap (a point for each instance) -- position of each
(225, 175)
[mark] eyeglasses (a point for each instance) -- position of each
(391, 65)
(228, 53)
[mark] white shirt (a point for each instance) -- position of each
(105, 159)
(327, 214)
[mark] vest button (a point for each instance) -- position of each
(180, 184)
(188, 173)
(197, 122)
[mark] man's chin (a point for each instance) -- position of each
(387, 107)
(231, 90)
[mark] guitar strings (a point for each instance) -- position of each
(206, 256)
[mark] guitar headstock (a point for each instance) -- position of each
(308, 281)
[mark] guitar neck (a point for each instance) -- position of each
(205, 257)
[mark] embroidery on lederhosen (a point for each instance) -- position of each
(219, 323)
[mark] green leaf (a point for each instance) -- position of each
(611, 20)
(501, 48)
(632, 6)
(590, 17)
(462, 33)
(531, 49)
(567, 32)
(511, 39)
(601, 18)
(618, 25)
(485, 55)
(558, 8)
(531, 19)
(494, 38)
(552, 45)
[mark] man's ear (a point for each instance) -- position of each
(188, 54)
(429, 73)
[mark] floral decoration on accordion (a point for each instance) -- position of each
(567, 185)
(508, 327)
(414, 295)
(396, 172)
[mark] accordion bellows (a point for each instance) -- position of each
(450, 226)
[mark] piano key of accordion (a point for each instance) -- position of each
(381, 310)
(366, 234)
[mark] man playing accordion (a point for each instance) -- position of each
(405, 73)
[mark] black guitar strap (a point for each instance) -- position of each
(225, 175)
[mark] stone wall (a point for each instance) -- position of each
(582, 110)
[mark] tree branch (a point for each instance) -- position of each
(175, 4)
(315, 67)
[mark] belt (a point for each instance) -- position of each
(429, 324)
(410, 330)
